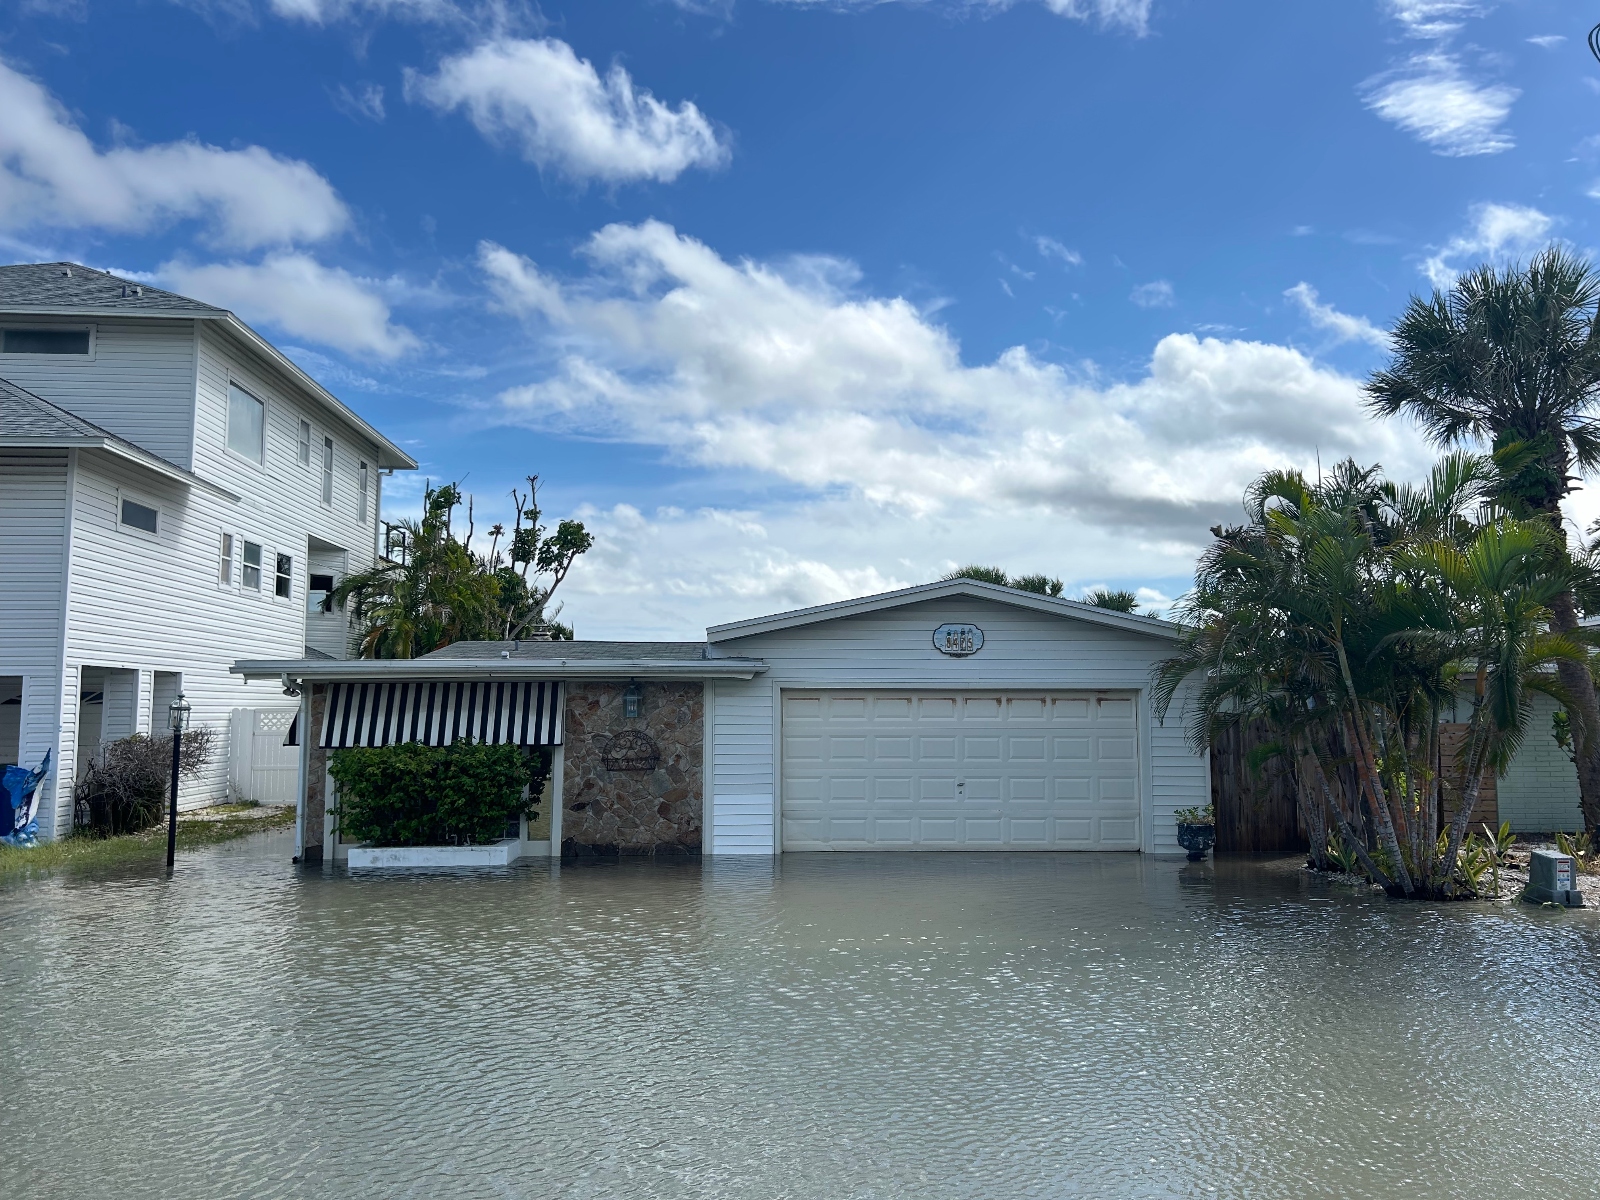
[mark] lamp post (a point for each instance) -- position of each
(179, 720)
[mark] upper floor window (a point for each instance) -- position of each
(285, 576)
(252, 566)
(247, 424)
(327, 470)
(319, 594)
(305, 443)
(140, 516)
(225, 560)
(44, 341)
(361, 495)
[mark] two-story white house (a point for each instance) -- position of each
(175, 494)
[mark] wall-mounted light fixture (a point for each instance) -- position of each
(632, 699)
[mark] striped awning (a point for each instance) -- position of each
(439, 712)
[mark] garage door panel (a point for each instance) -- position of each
(990, 771)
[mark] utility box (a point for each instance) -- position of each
(1551, 879)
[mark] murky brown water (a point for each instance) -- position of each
(836, 1026)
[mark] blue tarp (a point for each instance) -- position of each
(19, 803)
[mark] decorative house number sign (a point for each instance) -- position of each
(958, 641)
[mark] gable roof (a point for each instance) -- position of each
(73, 290)
(28, 421)
(944, 588)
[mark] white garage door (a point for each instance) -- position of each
(960, 771)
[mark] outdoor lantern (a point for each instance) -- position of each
(631, 699)
(179, 720)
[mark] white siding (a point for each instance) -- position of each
(1539, 793)
(150, 605)
(33, 534)
(139, 382)
(1022, 649)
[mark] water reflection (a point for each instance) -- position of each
(824, 1026)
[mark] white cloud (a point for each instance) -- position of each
(1433, 18)
(1048, 247)
(326, 12)
(564, 116)
(294, 293)
(365, 100)
(1496, 231)
(1133, 15)
(1343, 326)
(1158, 294)
(742, 366)
(1431, 98)
(53, 177)
(1548, 41)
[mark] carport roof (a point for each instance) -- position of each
(944, 588)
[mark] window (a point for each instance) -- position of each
(247, 422)
(319, 594)
(45, 341)
(139, 516)
(225, 560)
(252, 566)
(305, 443)
(285, 576)
(327, 470)
(361, 501)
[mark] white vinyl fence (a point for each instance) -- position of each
(261, 767)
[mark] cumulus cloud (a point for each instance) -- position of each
(741, 365)
(52, 176)
(1158, 294)
(295, 293)
(540, 96)
(1342, 326)
(1495, 231)
(1431, 98)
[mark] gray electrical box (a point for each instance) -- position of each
(1552, 879)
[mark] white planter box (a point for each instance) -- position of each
(498, 854)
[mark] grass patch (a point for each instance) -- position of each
(224, 823)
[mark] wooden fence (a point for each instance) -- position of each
(1255, 806)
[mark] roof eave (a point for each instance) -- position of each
(1052, 605)
(309, 670)
(390, 455)
(150, 463)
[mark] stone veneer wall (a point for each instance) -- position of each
(633, 812)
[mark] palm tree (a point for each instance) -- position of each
(1347, 614)
(1511, 357)
(1115, 599)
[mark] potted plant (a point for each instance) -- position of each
(1197, 830)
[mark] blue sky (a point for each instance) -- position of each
(793, 300)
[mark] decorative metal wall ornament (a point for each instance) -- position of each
(631, 750)
(1594, 41)
(958, 641)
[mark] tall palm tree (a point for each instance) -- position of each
(1349, 613)
(1511, 357)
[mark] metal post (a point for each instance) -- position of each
(172, 810)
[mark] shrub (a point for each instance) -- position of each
(1201, 814)
(412, 795)
(125, 787)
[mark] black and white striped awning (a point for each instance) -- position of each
(437, 713)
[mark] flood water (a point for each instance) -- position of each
(829, 1026)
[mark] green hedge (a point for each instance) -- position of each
(415, 795)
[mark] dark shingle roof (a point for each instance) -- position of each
(29, 420)
(74, 288)
(24, 415)
(577, 651)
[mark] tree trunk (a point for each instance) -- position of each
(1374, 872)
(1584, 713)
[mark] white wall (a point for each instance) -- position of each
(138, 382)
(33, 540)
(1023, 649)
(1539, 793)
(156, 604)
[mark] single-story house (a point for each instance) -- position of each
(951, 716)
